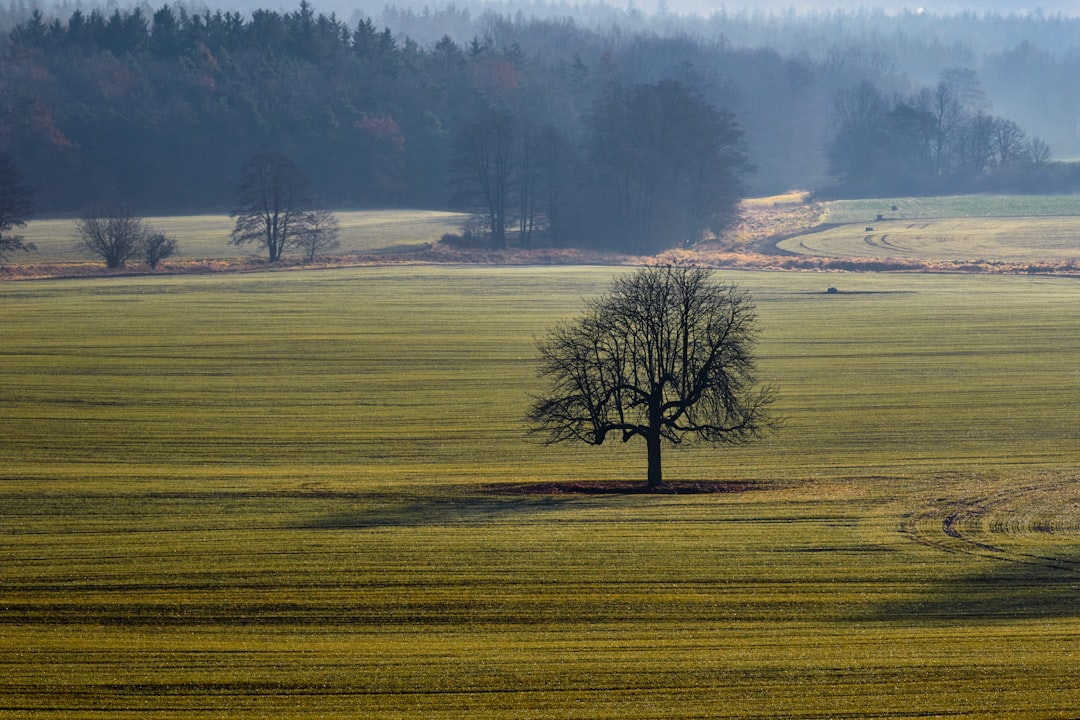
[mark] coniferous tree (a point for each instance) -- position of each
(16, 208)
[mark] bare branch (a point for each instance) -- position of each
(667, 354)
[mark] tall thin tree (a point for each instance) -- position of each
(16, 208)
(485, 170)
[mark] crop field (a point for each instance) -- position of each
(953, 206)
(976, 229)
(207, 236)
(310, 495)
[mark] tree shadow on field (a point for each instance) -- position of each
(621, 487)
(486, 504)
(1017, 589)
(430, 511)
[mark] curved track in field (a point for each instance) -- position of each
(1034, 524)
(1042, 239)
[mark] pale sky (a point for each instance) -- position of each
(941, 7)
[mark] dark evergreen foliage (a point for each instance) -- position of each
(16, 208)
(665, 166)
(159, 109)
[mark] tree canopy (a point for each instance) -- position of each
(667, 165)
(158, 109)
(936, 140)
(275, 208)
(115, 235)
(666, 355)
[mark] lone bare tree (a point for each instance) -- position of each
(16, 208)
(273, 204)
(158, 247)
(667, 354)
(115, 236)
(320, 233)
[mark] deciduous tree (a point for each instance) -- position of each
(484, 167)
(862, 131)
(115, 236)
(273, 205)
(669, 165)
(158, 247)
(320, 233)
(666, 355)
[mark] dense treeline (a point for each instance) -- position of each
(938, 140)
(551, 131)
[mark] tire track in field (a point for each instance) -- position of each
(883, 243)
(1011, 525)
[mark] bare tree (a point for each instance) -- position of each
(669, 166)
(485, 172)
(273, 204)
(951, 103)
(554, 171)
(527, 180)
(667, 354)
(16, 208)
(862, 119)
(1009, 141)
(319, 234)
(115, 236)
(975, 144)
(158, 247)
(1038, 152)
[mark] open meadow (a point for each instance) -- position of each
(310, 495)
(206, 237)
(963, 229)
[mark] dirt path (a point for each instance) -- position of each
(750, 245)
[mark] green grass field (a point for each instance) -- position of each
(976, 229)
(207, 236)
(953, 206)
(299, 496)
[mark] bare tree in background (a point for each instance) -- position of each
(158, 247)
(1038, 152)
(273, 205)
(319, 234)
(115, 236)
(667, 354)
(669, 166)
(484, 155)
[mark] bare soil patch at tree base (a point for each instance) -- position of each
(620, 487)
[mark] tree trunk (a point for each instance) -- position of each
(656, 476)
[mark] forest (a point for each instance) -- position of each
(613, 128)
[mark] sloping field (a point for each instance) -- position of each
(975, 229)
(306, 495)
(207, 236)
(952, 206)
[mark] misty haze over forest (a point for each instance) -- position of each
(372, 8)
(159, 105)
